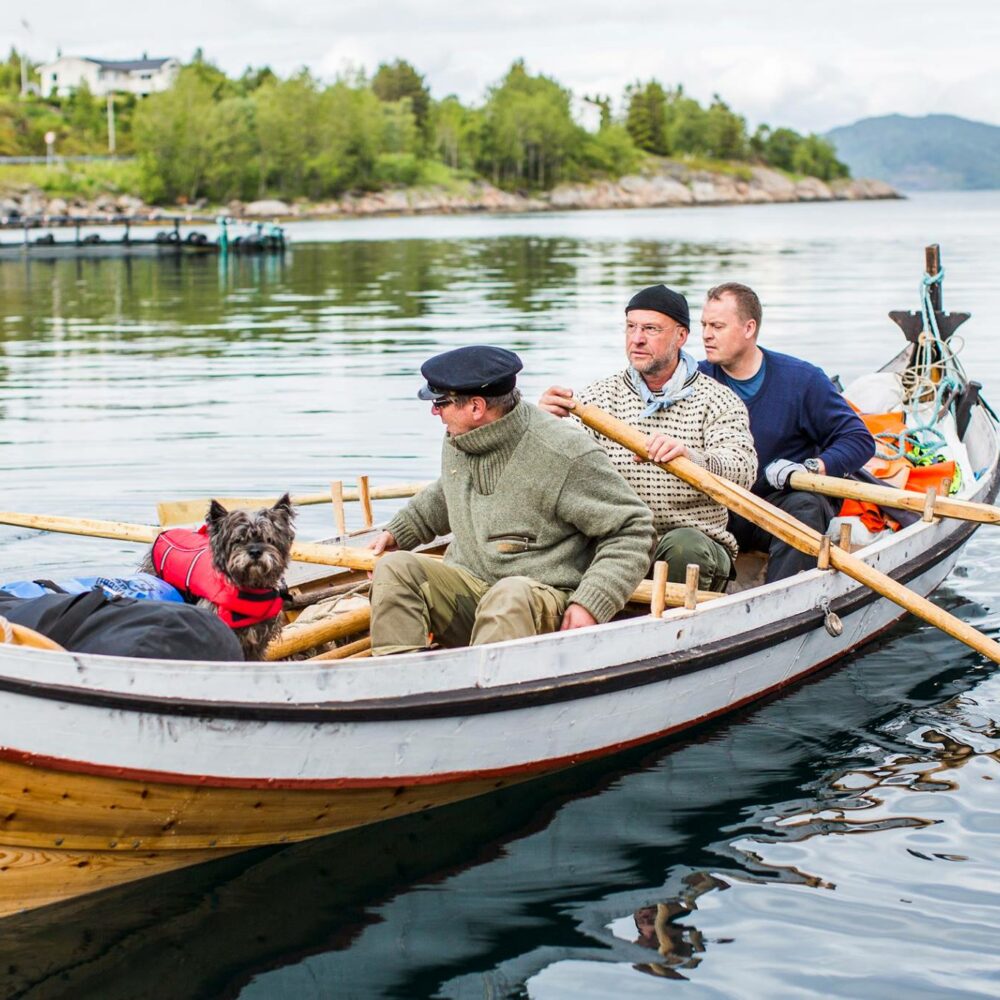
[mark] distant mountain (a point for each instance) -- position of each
(933, 153)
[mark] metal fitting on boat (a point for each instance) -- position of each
(831, 620)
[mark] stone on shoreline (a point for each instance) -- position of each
(267, 207)
(661, 184)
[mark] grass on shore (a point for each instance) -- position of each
(72, 180)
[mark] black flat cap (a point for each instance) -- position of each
(470, 371)
(664, 300)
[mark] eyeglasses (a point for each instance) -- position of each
(647, 329)
(442, 401)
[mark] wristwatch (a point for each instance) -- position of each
(812, 465)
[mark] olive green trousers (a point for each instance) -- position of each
(681, 546)
(416, 600)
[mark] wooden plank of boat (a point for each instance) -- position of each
(57, 841)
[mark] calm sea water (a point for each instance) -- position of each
(843, 840)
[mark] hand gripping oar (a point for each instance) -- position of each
(787, 528)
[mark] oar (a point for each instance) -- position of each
(320, 553)
(787, 528)
(886, 496)
(171, 512)
(310, 552)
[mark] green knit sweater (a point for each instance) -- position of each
(529, 495)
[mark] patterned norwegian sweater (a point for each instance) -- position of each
(714, 425)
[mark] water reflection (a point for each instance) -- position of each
(664, 928)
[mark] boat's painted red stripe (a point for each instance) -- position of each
(444, 778)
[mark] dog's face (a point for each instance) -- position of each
(251, 547)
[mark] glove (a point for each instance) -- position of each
(778, 472)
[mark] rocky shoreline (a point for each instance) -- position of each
(666, 185)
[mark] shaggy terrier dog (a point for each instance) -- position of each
(234, 564)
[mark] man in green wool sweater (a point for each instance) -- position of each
(547, 535)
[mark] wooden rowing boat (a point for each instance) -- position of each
(114, 769)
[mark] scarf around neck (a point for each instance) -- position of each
(679, 386)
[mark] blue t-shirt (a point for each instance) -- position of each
(746, 388)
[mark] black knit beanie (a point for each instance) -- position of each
(664, 300)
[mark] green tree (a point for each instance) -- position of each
(816, 157)
(174, 137)
(645, 117)
(86, 121)
(286, 113)
(686, 124)
(529, 134)
(456, 132)
(253, 79)
(780, 147)
(210, 74)
(398, 81)
(399, 128)
(603, 103)
(348, 139)
(232, 167)
(10, 72)
(610, 152)
(725, 132)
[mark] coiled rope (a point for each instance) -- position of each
(929, 386)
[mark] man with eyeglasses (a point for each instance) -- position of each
(546, 535)
(685, 413)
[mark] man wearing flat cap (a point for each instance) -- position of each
(546, 534)
(685, 413)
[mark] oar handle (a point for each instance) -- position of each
(888, 496)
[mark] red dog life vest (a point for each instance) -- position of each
(182, 558)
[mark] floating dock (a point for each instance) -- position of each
(46, 237)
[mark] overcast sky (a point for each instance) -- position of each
(801, 63)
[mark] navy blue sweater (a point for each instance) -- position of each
(797, 414)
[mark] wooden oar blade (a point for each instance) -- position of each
(171, 512)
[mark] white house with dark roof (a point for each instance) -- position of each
(104, 76)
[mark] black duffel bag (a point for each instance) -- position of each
(122, 626)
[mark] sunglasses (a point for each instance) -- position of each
(442, 401)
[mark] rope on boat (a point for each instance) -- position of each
(936, 374)
(6, 632)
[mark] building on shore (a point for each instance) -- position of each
(104, 76)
